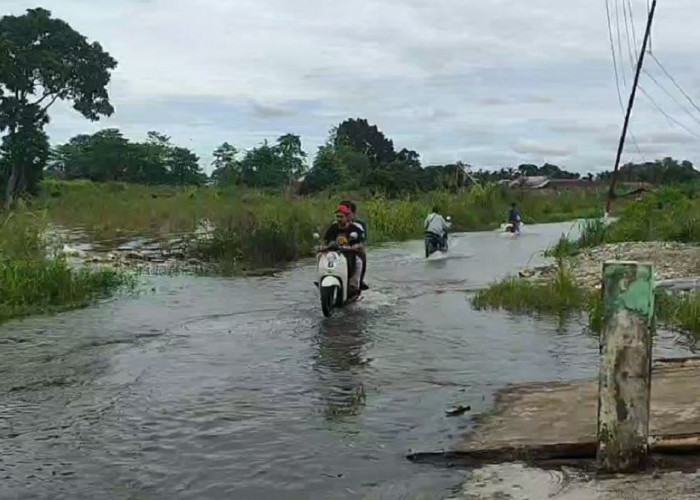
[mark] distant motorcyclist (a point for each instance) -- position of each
(361, 254)
(437, 225)
(514, 218)
(344, 233)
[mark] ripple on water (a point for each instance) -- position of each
(239, 388)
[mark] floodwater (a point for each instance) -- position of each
(205, 388)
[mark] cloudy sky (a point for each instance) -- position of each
(490, 82)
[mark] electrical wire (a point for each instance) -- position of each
(685, 94)
(633, 60)
(674, 98)
(617, 78)
(619, 40)
(634, 30)
(628, 20)
(650, 35)
(614, 57)
(669, 117)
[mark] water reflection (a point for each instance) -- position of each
(341, 347)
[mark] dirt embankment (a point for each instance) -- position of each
(679, 262)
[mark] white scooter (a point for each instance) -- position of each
(512, 229)
(336, 288)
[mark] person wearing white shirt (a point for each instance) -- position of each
(436, 224)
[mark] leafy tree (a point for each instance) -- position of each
(43, 60)
(359, 155)
(292, 156)
(328, 170)
(108, 156)
(184, 167)
(361, 137)
(261, 167)
(554, 172)
(271, 166)
(227, 168)
(528, 169)
(666, 171)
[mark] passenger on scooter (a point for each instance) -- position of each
(361, 254)
(437, 225)
(345, 233)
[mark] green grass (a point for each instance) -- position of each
(264, 229)
(29, 287)
(681, 311)
(668, 214)
(560, 296)
(34, 282)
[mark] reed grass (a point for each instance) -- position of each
(255, 228)
(33, 280)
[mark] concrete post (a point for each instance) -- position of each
(625, 365)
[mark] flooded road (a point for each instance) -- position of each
(206, 388)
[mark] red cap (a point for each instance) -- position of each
(344, 210)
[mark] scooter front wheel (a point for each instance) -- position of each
(328, 295)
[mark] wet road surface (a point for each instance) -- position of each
(205, 388)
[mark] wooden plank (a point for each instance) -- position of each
(669, 445)
(546, 415)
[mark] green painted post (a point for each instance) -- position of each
(625, 365)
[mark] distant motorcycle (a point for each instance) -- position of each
(514, 228)
(434, 242)
(336, 288)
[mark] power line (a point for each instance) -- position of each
(628, 12)
(619, 40)
(614, 57)
(617, 79)
(620, 147)
(634, 30)
(680, 104)
(625, 13)
(674, 81)
(627, 33)
(650, 37)
(669, 117)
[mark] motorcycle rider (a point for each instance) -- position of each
(514, 218)
(436, 224)
(361, 254)
(345, 233)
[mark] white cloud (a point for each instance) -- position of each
(451, 79)
(539, 150)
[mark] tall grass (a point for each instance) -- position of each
(255, 228)
(32, 281)
(669, 214)
(679, 310)
(559, 296)
(562, 297)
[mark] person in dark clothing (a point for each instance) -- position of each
(514, 218)
(362, 255)
(344, 232)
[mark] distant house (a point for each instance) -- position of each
(529, 182)
(573, 185)
(546, 184)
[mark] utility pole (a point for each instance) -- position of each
(621, 145)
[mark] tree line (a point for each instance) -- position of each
(356, 156)
(43, 60)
